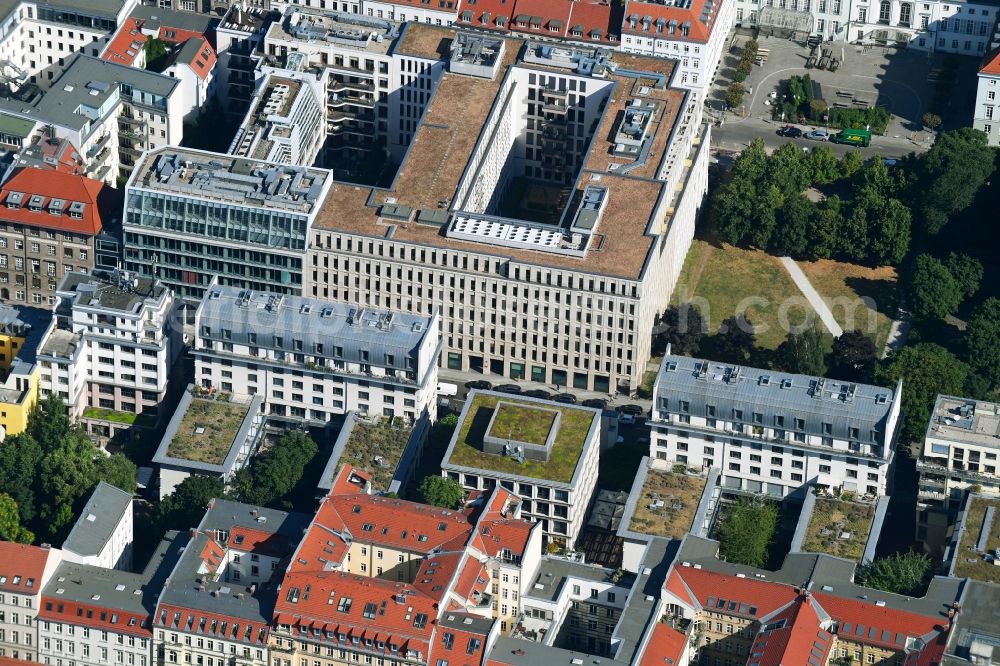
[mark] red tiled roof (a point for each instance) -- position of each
(463, 650)
(436, 573)
(492, 536)
(350, 481)
(203, 57)
(880, 625)
(991, 64)
(397, 523)
(10, 661)
(435, 5)
(738, 596)
(95, 616)
(542, 17)
(51, 185)
(597, 22)
(792, 636)
(662, 17)
(127, 43)
(22, 567)
(485, 14)
(211, 624)
(665, 648)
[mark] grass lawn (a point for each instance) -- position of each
(971, 564)
(109, 415)
(718, 278)
(843, 286)
(523, 424)
(680, 495)
(830, 519)
(574, 425)
(207, 430)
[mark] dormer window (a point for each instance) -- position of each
(76, 210)
(35, 202)
(14, 199)
(56, 206)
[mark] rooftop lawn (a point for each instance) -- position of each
(207, 430)
(574, 425)
(830, 519)
(971, 564)
(523, 424)
(679, 493)
(109, 415)
(376, 447)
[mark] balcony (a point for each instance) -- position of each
(340, 86)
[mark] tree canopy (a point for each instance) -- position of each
(184, 508)
(272, 475)
(852, 357)
(441, 491)
(901, 573)
(746, 532)
(982, 339)
(950, 174)
(682, 327)
(803, 352)
(10, 522)
(934, 293)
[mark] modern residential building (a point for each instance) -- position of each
(238, 39)
(102, 534)
(987, 109)
(192, 217)
(692, 33)
(53, 223)
(286, 121)
(210, 434)
(226, 581)
(311, 360)
(22, 331)
(24, 572)
(773, 433)
(94, 616)
(111, 355)
(959, 455)
(545, 452)
(562, 290)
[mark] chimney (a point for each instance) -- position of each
(194, 532)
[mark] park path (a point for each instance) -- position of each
(815, 300)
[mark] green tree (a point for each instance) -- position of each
(982, 340)
(901, 573)
(441, 491)
(795, 217)
(850, 164)
(803, 353)
(933, 291)
(967, 271)
(852, 357)
(48, 423)
(746, 532)
(950, 174)
(275, 473)
(682, 327)
(825, 233)
(734, 94)
(20, 458)
(734, 208)
(765, 217)
(449, 420)
(184, 508)
(822, 166)
(931, 120)
(889, 233)
(10, 522)
(734, 343)
(68, 472)
(787, 170)
(926, 369)
(117, 470)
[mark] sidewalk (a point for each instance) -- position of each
(815, 300)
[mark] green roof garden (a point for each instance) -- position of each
(377, 447)
(207, 430)
(973, 564)
(529, 422)
(839, 527)
(667, 504)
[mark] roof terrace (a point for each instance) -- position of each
(978, 553)
(316, 28)
(965, 420)
(532, 438)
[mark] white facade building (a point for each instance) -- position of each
(773, 433)
(114, 348)
(24, 571)
(941, 26)
(311, 360)
(102, 535)
(828, 18)
(987, 109)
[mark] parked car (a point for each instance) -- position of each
(595, 403)
(818, 135)
(790, 131)
(634, 410)
(568, 398)
(627, 419)
(480, 384)
(537, 393)
(508, 388)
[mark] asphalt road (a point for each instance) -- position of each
(735, 135)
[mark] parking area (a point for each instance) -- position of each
(907, 83)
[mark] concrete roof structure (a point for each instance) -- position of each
(212, 443)
(108, 291)
(97, 522)
(965, 421)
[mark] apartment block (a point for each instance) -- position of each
(22, 331)
(773, 433)
(53, 223)
(111, 354)
(986, 110)
(23, 574)
(217, 608)
(192, 217)
(102, 534)
(961, 28)
(828, 19)
(959, 456)
(311, 360)
(694, 33)
(559, 291)
(544, 452)
(238, 39)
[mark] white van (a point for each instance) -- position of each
(447, 389)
